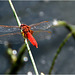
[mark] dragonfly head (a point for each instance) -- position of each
(25, 28)
(22, 26)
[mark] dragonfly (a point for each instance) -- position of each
(27, 31)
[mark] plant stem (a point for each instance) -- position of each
(33, 62)
(19, 23)
(15, 14)
(58, 51)
(70, 27)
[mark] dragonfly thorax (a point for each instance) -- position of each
(25, 28)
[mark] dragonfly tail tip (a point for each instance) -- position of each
(36, 46)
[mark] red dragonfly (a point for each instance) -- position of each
(27, 31)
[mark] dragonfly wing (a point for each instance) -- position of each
(13, 38)
(42, 25)
(42, 35)
(4, 28)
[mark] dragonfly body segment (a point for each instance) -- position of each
(32, 40)
(28, 34)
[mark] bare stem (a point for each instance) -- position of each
(58, 51)
(19, 23)
(15, 14)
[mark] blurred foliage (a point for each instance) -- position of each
(17, 61)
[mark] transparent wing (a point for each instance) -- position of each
(4, 28)
(42, 35)
(41, 26)
(42, 30)
(16, 37)
(13, 38)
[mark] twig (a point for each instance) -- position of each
(58, 51)
(19, 23)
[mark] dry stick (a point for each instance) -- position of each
(58, 51)
(19, 23)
